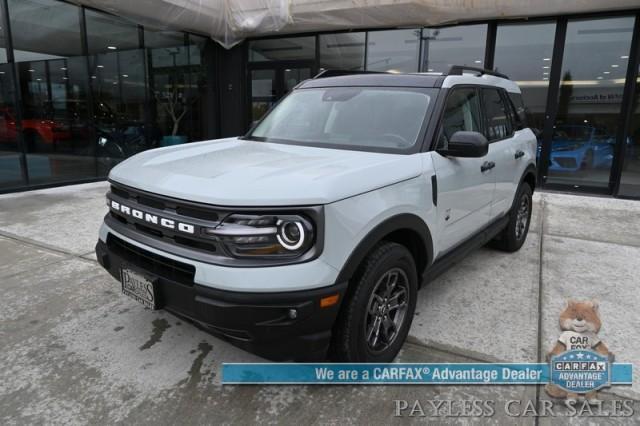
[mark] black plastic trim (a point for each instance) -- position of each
(257, 322)
(396, 223)
(434, 189)
(446, 260)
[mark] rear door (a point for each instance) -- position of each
(464, 191)
(506, 149)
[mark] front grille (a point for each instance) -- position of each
(158, 265)
(188, 210)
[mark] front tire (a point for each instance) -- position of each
(514, 235)
(376, 316)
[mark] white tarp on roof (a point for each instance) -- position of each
(229, 21)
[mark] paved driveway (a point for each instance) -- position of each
(76, 351)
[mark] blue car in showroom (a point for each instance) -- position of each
(577, 147)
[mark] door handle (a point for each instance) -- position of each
(487, 165)
(519, 154)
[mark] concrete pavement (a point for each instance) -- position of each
(74, 350)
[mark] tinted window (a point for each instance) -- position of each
(395, 50)
(498, 120)
(342, 51)
(462, 113)
(518, 105)
(282, 49)
(348, 116)
(592, 81)
(524, 52)
(461, 45)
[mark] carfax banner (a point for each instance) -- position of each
(570, 375)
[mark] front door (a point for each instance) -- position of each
(269, 82)
(465, 185)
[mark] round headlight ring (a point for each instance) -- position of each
(287, 242)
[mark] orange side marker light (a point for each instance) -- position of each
(329, 301)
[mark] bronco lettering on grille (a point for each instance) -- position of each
(153, 219)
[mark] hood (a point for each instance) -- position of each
(234, 172)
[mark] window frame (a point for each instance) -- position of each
(442, 109)
(506, 108)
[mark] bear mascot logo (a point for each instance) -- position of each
(580, 324)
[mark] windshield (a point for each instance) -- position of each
(348, 117)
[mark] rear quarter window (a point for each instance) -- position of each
(518, 106)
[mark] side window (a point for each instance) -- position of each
(518, 105)
(498, 120)
(461, 112)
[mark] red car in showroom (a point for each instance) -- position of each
(40, 134)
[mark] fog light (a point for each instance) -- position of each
(293, 313)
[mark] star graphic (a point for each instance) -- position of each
(580, 355)
(570, 356)
(588, 356)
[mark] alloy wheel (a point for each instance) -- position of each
(522, 216)
(386, 310)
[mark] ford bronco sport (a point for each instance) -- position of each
(310, 236)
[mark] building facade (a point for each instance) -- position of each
(82, 89)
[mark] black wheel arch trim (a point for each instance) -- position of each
(530, 170)
(404, 221)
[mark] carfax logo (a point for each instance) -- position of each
(580, 371)
(579, 361)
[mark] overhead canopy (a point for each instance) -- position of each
(230, 21)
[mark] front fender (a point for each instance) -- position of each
(354, 225)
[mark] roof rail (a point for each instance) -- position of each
(459, 69)
(338, 73)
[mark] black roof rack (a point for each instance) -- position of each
(338, 73)
(459, 69)
(454, 70)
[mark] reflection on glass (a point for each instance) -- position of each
(524, 53)
(10, 165)
(584, 137)
(175, 85)
(630, 180)
(283, 49)
(343, 51)
(293, 76)
(461, 45)
(117, 78)
(53, 82)
(394, 51)
(263, 94)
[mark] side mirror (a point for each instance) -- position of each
(466, 144)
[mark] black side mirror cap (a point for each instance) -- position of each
(466, 144)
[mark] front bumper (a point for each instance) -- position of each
(257, 322)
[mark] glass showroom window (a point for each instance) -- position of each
(53, 81)
(461, 45)
(177, 85)
(117, 75)
(342, 51)
(283, 49)
(591, 86)
(277, 66)
(630, 180)
(10, 156)
(169, 85)
(394, 51)
(524, 53)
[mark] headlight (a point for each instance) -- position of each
(273, 236)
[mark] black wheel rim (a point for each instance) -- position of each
(522, 217)
(386, 310)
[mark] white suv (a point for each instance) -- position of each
(310, 236)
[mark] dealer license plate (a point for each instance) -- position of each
(139, 287)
